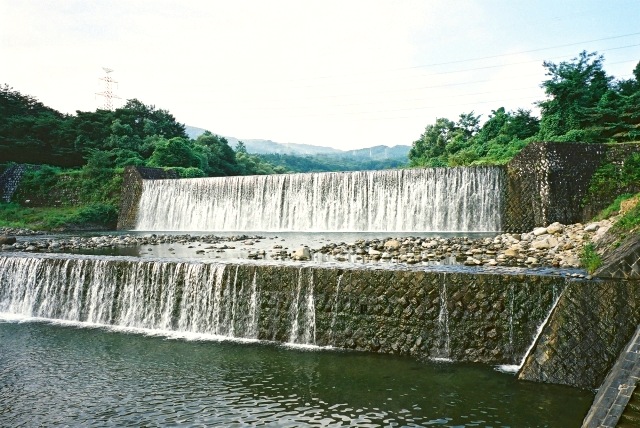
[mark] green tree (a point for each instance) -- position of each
(220, 159)
(429, 149)
(574, 89)
(176, 152)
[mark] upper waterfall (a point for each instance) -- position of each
(413, 200)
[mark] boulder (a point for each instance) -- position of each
(591, 227)
(555, 228)
(7, 240)
(511, 252)
(392, 244)
(540, 231)
(302, 253)
(544, 244)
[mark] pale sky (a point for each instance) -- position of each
(344, 74)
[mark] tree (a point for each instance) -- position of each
(33, 133)
(220, 159)
(574, 89)
(177, 152)
(429, 149)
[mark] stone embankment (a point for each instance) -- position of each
(556, 245)
(9, 243)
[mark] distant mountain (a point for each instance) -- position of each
(193, 132)
(259, 146)
(268, 146)
(378, 153)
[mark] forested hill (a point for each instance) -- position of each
(135, 134)
(308, 158)
(582, 104)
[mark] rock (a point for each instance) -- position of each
(30, 248)
(392, 244)
(7, 247)
(540, 231)
(591, 227)
(555, 228)
(544, 244)
(302, 253)
(7, 240)
(571, 260)
(511, 252)
(373, 252)
(531, 260)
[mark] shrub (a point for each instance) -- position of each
(590, 258)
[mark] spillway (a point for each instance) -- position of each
(413, 200)
(433, 313)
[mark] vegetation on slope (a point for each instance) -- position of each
(583, 104)
(88, 152)
(326, 163)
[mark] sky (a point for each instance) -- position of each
(346, 74)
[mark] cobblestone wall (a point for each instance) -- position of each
(10, 179)
(462, 316)
(583, 338)
(132, 190)
(547, 182)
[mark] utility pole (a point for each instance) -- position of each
(108, 89)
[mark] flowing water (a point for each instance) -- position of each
(62, 375)
(415, 200)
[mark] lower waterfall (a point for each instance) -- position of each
(185, 297)
(457, 316)
(421, 200)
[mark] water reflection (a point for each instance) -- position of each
(53, 375)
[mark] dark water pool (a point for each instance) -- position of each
(52, 375)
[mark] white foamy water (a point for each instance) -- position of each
(420, 200)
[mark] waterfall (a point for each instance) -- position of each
(334, 308)
(429, 199)
(557, 294)
(185, 297)
(309, 336)
(252, 327)
(303, 312)
(444, 348)
(295, 310)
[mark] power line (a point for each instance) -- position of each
(466, 60)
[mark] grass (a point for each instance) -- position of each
(590, 258)
(57, 218)
(628, 222)
(56, 199)
(614, 208)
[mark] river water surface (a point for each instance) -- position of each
(53, 374)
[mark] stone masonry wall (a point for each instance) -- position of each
(585, 334)
(462, 316)
(10, 179)
(547, 182)
(132, 190)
